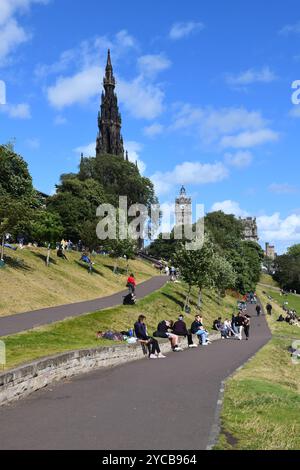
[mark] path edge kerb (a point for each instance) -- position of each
(217, 425)
(26, 379)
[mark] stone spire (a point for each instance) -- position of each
(109, 139)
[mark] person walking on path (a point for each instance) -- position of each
(246, 325)
(131, 284)
(269, 309)
(239, 322)
(180, 329)
(140, 330)
(258, 309)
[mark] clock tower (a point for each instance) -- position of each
(183, 208)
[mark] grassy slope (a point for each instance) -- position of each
(81, 332)
(268, 280)
(27, 284)
(262, 401)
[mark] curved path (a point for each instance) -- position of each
(159, 404)
(25, 321)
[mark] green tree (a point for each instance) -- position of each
(14, 217)
(15, 179)
(76, 202)
(224, 275)
(196, 267)
(46, 229)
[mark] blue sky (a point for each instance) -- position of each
(204, 90)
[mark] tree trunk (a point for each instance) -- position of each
(115, 267)
(187, 299)
(48, 256)
(199, 299)
(2, 247)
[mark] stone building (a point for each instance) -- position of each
(183, 208)
(250, 229)
(270, 251)
(109, 139)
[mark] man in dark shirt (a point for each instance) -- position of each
(140, 330)
(269, 309)
(180, 329)
(258, 309)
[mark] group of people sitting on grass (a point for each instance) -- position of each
(291, 318)
(233, 328)
(172, 331)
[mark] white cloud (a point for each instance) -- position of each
(229, 207)
(283, 188)
(88, 53)
(134, 149)
(249, 139)
(141, 99)
(290, 29)
(150, 65)
(12, 34)
(250, 76)
(226, 127)
(189, 173)
(79, 88)
(88, 150)
(182, 29)
(153, 130)
(16, 111)
(273, 228)
(240, 159)
(33, 144)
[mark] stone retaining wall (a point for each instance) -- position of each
(24, 380)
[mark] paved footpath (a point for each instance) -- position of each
(148, 404)
(25, 321)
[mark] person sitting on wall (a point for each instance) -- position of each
(180, 329)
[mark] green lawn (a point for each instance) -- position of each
(81, 332)
(27, 284)
(268, 280)
(262, 401)
(292, 299)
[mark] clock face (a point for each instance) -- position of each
(182, 206)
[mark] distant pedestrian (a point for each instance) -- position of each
(258, 309)
(269, 308)
(131, 283)
(246, 325)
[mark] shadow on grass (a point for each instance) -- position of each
(173, 299)
(118, 270)
(85, 266)
(44, 257)
(16, 263)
